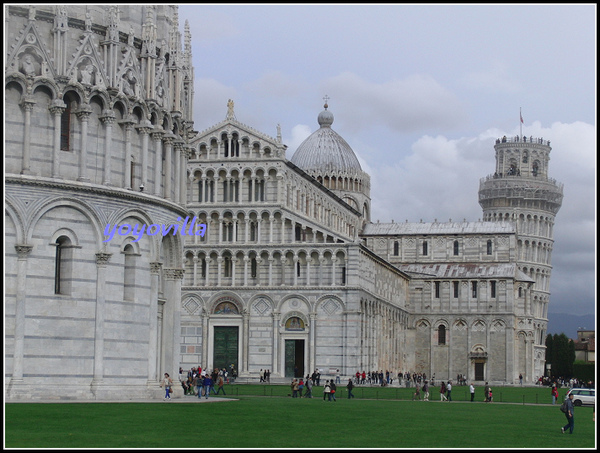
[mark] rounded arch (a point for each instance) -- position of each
(65, 232)
(80, 206)
(47, 85)
(261, 305)
(17, 221)
(294, 321)
(294, 306)
(223, 298)
(193, 304)
(327, 297)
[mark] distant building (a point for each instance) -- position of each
(585, 346)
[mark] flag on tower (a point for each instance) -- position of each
(521, 117)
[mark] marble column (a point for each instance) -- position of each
(168, 142)
(275, 358)
(178, 150)
(171, 321)
(158, 150)
(83, 115)
(102, 259)
(23, 252)
(108, 119)
(28, 104)
(128, 125)
(153, 377)
(56, 109)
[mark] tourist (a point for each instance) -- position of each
(167, 382)
(426, 391)
(443, 392)
(449, 390)
(326, 391)
(309, 386)
(208, 383)
(570, 415)
(417, 393)
(333, 389)
(472, 390)
(220, 385)
(350, 386)
(554, 393)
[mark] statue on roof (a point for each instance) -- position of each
(230, 114)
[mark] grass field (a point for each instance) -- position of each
(283, 422)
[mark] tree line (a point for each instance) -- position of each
(560, 354)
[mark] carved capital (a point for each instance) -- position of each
(155, 267)
(174, 274)
(102, 259)
(108, 117)
(84, 112)
(28, 103)
(23, 250)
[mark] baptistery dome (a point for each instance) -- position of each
(325, 149)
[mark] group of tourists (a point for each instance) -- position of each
(199, 382)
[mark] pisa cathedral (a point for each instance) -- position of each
(291, 274)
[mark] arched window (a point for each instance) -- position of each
(210, 191)
(424, 248)
(227, 266)
(65, 126)
(455, 248)
(535, 169)
(129, 273)
(442, 334)
(489, 247)
(396, 248)
(253, 268)
(228, 235)
(63, 266)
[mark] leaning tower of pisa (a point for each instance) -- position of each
(521, 191)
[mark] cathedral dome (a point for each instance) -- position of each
(325, 150)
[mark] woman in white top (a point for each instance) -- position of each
(167, 382)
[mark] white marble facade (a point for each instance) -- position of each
(291, 274)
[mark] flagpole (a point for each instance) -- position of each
(520, 123)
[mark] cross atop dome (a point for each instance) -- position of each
(325, 98)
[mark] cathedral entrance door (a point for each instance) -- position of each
(294, 358)
(479, 371)
(225, 349)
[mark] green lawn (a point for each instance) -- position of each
(272, 422)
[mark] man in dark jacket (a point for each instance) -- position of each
(350, 386)
(569, 414)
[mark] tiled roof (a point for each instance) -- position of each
(440, 228)
(465, 270)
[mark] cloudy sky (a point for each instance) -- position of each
(420, 92)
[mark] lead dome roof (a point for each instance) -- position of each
(325, 150)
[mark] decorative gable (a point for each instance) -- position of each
(86, 66)
(29, 55)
